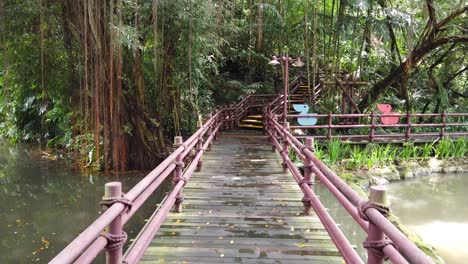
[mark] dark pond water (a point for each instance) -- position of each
(352, 231)
(45, 204)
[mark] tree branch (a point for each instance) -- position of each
(451, 78)
(416, 56)
(450, 17)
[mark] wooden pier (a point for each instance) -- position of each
(242, 208)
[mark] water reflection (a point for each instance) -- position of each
(348, 225)
(435, 207)
(46, 203)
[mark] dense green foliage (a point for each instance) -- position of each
(113, 81)
(356, 157)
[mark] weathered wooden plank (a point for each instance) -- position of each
(252, 252)
(242, 208)
(202, 260)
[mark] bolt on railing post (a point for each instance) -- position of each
(378, 194)
(444, 124)
(408, 126)
(285, 147)
(330, 122)
(372, 127)
(308, 175)
(199, 147)
(178, 172)
(114, 255)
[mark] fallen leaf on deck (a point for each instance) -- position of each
(302, 245)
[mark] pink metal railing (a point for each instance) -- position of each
(333, 122)
(397, 247)
(93, 240)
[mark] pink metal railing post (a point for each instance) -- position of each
(329, 135)
(215, 125)
(114, 190)
(228, 117)
(273, 134)
(378, 195)
(408, 126)
(209, 132)
(286, 61)
(285, 147)
(444, 124)
(199, 146)
(308, 175)
(372, 127)
(233, 117)
(221, 119)
(178, 175)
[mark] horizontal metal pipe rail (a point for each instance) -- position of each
(349, 199)
(445, 128)
(89, 243)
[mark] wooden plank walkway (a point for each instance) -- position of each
(241, 208)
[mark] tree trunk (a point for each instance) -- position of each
(260, 25)
(43, 112)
